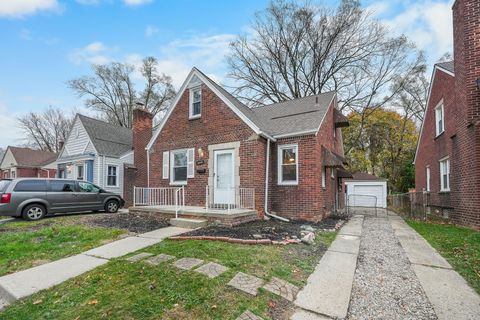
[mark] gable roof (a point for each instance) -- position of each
(303, 115)
(447, 65)
(108, 139)
(448, 68)
(26, 157)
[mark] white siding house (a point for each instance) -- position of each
(96, 151)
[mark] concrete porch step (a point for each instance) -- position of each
(188, 223)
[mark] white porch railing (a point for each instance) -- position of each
(173, 197)
(229, 198)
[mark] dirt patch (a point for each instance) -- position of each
(33, 227)
(272, 229)
(280, 309)
(131, 222)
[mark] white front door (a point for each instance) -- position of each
(224, 182)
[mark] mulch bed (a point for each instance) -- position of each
(273, 230)
(130, 222)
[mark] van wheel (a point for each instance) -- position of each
(33, 212)
(111, 206)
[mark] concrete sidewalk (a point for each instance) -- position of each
(449, 294)
(328, 289)
(27, 282)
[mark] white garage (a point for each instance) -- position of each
(366, 190)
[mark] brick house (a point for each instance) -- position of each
(284, 158)
(27, 163)
(446, 161)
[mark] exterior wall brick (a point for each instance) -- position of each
(461, 140)
(431, 148)
(142, 133)
(218, 124)
(465, 172)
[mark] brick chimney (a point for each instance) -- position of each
(466, 43)
(142, 133)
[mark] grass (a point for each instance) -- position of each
(26, 244)
(460, 246)
(124, 290)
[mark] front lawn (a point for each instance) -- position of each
(27, 244)
(460, 246)
(125, 290)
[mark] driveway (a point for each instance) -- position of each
(380, 268)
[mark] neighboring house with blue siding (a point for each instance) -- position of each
(96, 151)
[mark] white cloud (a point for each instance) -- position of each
(12, 135)
(136, 2)
(426, 22)
(93, 53)
(151, 30)
(20, 8)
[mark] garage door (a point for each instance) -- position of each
(367, 196)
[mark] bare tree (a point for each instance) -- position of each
(111, 90)
(297, 50)
(45, 130)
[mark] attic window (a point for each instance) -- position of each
(195, 108)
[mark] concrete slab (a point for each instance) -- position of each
(163, 233)
(188, 223)
(306, 315)
(140, 256)
(212, 269)
(282, 288)
(449, 293)
(25, 283)
(187, 263)
(346, 243)
(156, 260)
(418, 250)
(246, 283)
(353, 227)
(249, 315)
(329, 287)
(122, 247)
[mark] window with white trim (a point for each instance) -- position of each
(195, 109)
(445, 175)
(324, 177)
(112, 176)
(288, 164)
(439, 119)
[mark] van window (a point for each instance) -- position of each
(88, 187)
(62, 186)
(4, 185)
(31, 186)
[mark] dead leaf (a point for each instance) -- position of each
(93, 302)
(37, 301)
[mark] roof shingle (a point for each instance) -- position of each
(27, 157)
(108, 139)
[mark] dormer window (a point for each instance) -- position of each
(439, 119)
(195, 103)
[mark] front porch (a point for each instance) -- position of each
(170, 203)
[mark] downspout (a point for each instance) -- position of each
(148, 168)
(267, 171)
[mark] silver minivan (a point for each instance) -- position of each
(32, 198)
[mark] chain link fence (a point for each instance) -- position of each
(421, 205)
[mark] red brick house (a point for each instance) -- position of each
(448, 151)
(27, 163)
(284, 159)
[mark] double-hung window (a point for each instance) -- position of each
(439, 119)
(112, 176)
(195, 108)
(445, 175)
(428, 179)
(288, 164)
(179, 163)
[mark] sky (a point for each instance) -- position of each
(45, 43)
